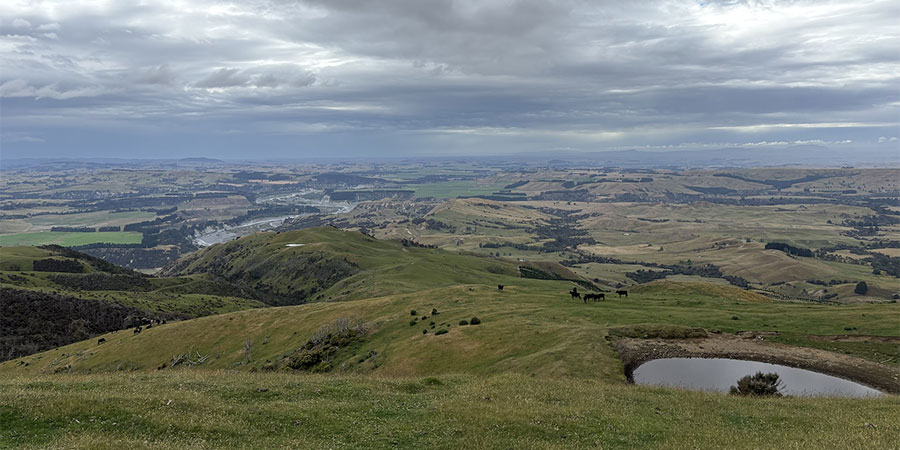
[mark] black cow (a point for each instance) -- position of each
(137, 330)
(101, 340)
(622, 293)
(499, 287)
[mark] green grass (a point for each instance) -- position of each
(453, 189)
(21, 258)
(216, 409)
(99, 218)
(532, 327)
(67, 239)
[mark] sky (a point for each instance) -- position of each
(292, 79)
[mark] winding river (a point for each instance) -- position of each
(310, 197)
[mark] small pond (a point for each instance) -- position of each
(719, 374)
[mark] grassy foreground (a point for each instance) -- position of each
(218, 409)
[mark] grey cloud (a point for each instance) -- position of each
(161, 74)
(223, 78)
(623, 73)
(21, 88)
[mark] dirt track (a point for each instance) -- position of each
(635, 352)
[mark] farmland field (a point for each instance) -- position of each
(69, 239)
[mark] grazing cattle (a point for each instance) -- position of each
(574, 293)
(101, 340)
(594, 297)
(137, 330)
(149, 326)
(600, 297)
(622, 293)
(499, 287)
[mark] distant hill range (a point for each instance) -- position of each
(885, 155)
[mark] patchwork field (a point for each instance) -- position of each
(70, 239)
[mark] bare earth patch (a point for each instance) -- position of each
(754, 347)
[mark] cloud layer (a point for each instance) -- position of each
(408, 77)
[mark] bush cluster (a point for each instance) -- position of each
(760, 384)
(316, 354)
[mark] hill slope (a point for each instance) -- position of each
(329, 264)
(537, 370)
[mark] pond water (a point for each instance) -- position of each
(719, 374)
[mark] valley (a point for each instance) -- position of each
(377, 297)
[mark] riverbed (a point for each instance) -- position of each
(309, 197)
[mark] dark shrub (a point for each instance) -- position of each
(413, 313)
(761, 384)
(434, 311)
(464, 322)
(316, 354)
(412, 322)
(57, 265)
(440, 332)
(735, 317)
(425, 331)
(861, 288)
(475, 321)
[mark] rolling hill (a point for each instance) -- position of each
(404, 333)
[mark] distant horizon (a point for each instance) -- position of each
(804, 156)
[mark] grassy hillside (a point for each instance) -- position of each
(223, 409)
(330, 264)
(86, 277)
(531, 327)
(536, 370)
(51, 296)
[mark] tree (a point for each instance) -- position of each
(861, 288)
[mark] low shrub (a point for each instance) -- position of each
(760, 384)
(475, 321)
(440, 332)
(464, 322)
(316, 354)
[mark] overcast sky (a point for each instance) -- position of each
(415, 77)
